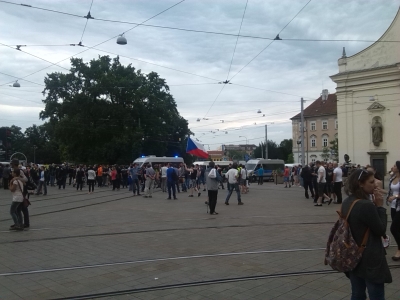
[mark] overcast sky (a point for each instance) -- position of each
(275, 80)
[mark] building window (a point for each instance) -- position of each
(313, 142)
(313, 158)
(324, 125)
(313, 125)
(325, 141)
(336, 124)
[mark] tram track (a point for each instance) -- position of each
(117, 233)
(202, 283)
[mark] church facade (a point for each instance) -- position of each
(368, 102)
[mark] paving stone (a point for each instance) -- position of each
(120, 228)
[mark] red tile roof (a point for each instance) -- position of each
(320, 108)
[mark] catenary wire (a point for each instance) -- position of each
(103, 41)
(271, 41)
(237, 39)
(197, 31)
(87, 20)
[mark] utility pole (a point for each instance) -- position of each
(302, 133)
(266, 142)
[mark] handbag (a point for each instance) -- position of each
(213, 173)
(25, 201)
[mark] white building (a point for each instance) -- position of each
(368, 94)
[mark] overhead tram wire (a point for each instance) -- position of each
(276, 38)
(52, 64)
(87, 20)
(150, 63)
(233, 55)
(237, 39)
(191, 30)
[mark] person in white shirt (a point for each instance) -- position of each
(164, 178)
(321, 181)
(337, 183)
(243, 180)
(232, 176)
(91, 176)
(42, 182)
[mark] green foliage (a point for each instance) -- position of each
(325, 153)
(290, 159)
(283, 151)
(334, 149)
(104, 112)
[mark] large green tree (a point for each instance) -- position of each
(105, 112)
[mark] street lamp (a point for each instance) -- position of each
(245, 149)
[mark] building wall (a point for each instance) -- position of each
(372, 74)
(313, 153)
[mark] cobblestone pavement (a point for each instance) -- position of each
(108, 242)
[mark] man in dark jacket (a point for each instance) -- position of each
(307, 181)
(212, 187)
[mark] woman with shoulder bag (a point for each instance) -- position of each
(369, 219)
(15, 186)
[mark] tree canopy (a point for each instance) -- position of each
(105, 112)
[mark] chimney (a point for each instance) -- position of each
(324, 95)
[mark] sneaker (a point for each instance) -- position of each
(226, 203)
(386, 241)
(240, 203)
(198, 195)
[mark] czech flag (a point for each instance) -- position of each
(196, 149)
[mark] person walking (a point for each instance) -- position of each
(233, 175)
(307, 181)
(193, 180)
(99, 177)
(42, 182)
(337, 183)
(393, 197)
(286, 176)
(91, 178)
(213, 178)
(372, 272)
(171, 181)
(321, 181)
(150, 176)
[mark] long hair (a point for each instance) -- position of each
(353, 185)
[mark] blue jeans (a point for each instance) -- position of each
(232, 187)
(135, 186)
(171, 185)
(376, 291)
(17, 218)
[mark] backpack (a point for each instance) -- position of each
(342, 252)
